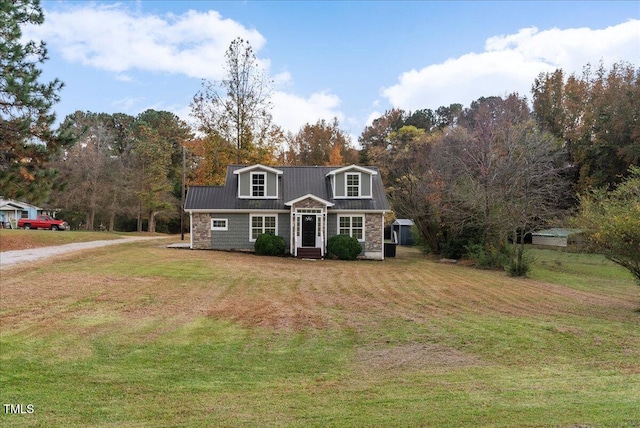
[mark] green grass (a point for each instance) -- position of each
(150, 337)
(583, 271)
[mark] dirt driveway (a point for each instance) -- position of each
(11, 258)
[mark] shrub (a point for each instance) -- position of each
(270, 245)
(487, 257)
(454, 247)
(520, 265)
(343, 247)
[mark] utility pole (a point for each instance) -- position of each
(182, 194)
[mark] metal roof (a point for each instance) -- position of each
(295, 182)
(402, 222)
(559, 232)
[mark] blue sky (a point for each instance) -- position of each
(347, 59)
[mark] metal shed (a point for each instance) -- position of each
(555, 237)
(401, 231)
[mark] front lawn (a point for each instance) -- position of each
(142, 335)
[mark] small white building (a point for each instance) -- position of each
(557, 236)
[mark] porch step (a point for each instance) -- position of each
(309, 253)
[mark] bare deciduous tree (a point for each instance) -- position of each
(237, 108)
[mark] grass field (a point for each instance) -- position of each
(139, 335)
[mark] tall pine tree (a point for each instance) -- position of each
(26, 138)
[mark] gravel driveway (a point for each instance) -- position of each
(10, 258)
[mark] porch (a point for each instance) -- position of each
(309, 227)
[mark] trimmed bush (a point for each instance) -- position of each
(270, 245)
(343, 247)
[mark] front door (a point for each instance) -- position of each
(308, 230)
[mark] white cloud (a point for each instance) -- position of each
(283, 79)
(124, 78)
(292, 112)
(372, 116)
(510, 63)
(128, 104)
(118, 39)
(122, 40)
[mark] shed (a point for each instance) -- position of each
(401, 231)
(556, 236)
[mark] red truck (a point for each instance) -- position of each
(42, 222)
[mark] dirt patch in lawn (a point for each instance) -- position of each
(414, 356)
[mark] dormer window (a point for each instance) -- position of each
(258, 180)
(353, 184)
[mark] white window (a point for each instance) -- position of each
(352, 226)
(263, 224)
(219, 224)
(258, 184)
(352, 181)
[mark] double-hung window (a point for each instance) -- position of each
(258, 184)
(352, 226)
(353, 185)
(261, 224)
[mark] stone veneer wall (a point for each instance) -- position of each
(373, 231)
(201, 231)
(308, 203)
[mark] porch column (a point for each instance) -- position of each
(293, 240)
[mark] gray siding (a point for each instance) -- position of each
(272, 181)
(332, 225)
(366, 185)
(237, 235)
(244, 181)
(339, 185)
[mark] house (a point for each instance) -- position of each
(306, 205)
(557, 237)
(11, 211)
(401, 231)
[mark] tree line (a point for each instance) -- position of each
(477, 178)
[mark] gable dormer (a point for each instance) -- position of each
(352, 182)
(258, 182)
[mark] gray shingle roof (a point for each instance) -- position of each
(296, 181)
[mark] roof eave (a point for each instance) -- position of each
(352, 167)
(257, 166)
